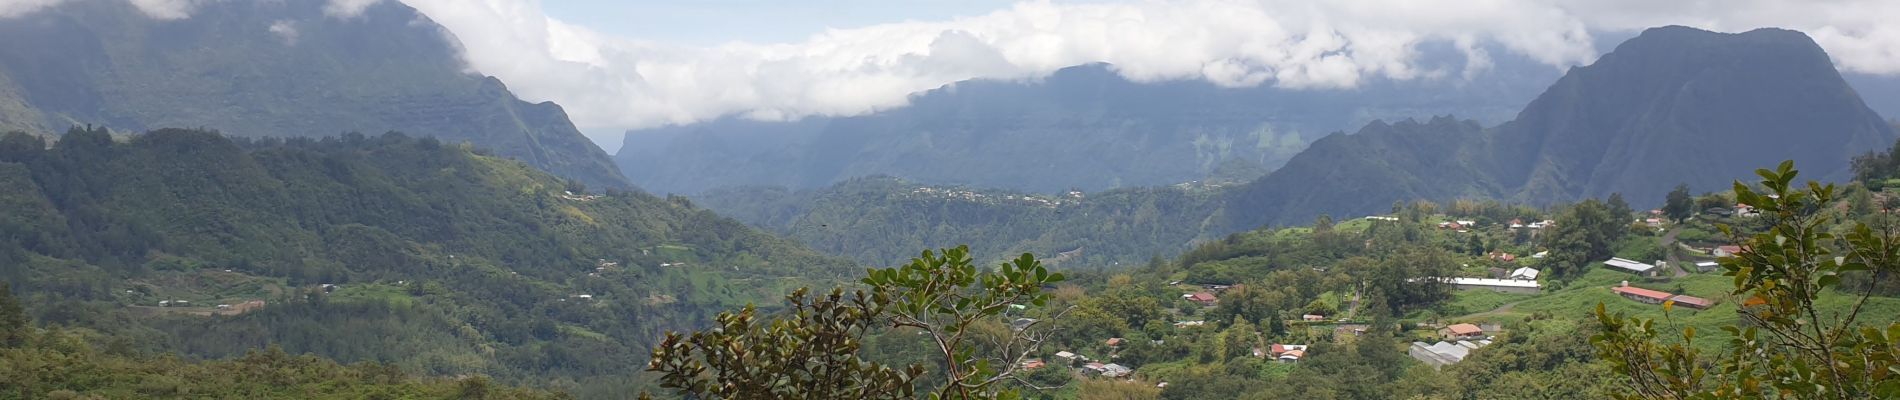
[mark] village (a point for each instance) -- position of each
(1499, 287)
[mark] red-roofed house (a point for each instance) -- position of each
(1114, 342)
(1461, 332)
(1641, 294)
(1205, 298)
(1727, 251)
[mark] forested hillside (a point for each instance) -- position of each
(436, 258)
(60, 364)
(885, 221)
(1673, 105)
(273, 68)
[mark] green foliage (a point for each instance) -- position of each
(60, 364)
(1583, 236)
(1786, 348)
(814, 351)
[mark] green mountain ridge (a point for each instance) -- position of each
(276, 68)
(446, 261)
(1673, 105)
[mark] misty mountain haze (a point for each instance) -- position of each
(1083, 127)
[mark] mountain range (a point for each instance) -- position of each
(1084, 127)
(1670, 106)
(273, 68)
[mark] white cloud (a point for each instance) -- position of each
(167, 9)
(608, 83)
(15, 8)
(347, 8)
(286, 30)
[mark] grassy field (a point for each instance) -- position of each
(1577, 302)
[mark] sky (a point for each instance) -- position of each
(618, 65)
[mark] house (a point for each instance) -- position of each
(327, 287)
(1205, 298)
(1444, 353)
(1094, 368)
(1653, 222)
(1524, 273)
(1641, 294)
(1461, 332)
(1631, 266)
(1184, 324)
(1217, 288)
(1693, 302)
(1313, 318)
(1287, 352)
(1382, 218)
(1292, 356)
(1727, 251)
(1498, 285)
(1114, 342)
(1707, 266)
(1541, 254)
(1467, 223)
(1658, 297)
(1116, 371)
(1032, 363)
(1070, 358)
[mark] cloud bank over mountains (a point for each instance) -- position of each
(609, 83)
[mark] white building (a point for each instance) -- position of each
(1444, 353)
(1525, 273)
(1499, 285)
(1631, 266)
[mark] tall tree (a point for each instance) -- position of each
(1783, 348)
(813, 353)
(1582, 236)
(1680, 204)
(14, 325)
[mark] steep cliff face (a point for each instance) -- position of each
(273, 68)
(1673, 105)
